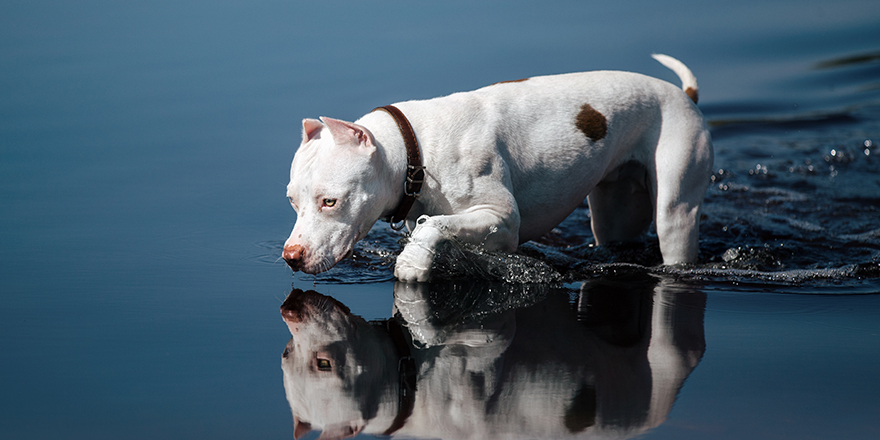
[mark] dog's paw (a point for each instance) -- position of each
(414, 262)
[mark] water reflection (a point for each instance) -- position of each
(482, 360)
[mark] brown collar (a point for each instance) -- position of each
(415, 171)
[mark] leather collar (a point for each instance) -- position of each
(415, 171)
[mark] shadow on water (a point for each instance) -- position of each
(494, 360)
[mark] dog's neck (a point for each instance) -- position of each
(415, 170)
(390, 142)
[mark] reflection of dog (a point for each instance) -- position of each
(505, 164)
(524, 372)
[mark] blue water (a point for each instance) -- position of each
(144, 152)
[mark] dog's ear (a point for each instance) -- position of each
(311, 128)
(347, 133)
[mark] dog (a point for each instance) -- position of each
(505, 164)
(534, 367)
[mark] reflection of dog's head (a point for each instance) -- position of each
(340, 372)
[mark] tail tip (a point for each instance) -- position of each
(689, 81)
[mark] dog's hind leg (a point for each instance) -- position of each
(621, 204)
(683, 172)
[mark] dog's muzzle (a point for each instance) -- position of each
(294, 255)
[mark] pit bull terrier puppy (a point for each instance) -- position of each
(505, 164)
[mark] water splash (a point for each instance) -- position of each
(457, 260)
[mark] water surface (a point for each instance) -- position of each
(144, 151)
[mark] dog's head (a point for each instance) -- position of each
(337, 188)
(340, 372)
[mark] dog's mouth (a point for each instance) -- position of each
(325, 264)
(323, 255)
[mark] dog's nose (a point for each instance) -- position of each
(293, 255)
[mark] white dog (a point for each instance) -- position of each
(505, 164)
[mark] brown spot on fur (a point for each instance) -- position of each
(692, 93)
(510, 81)
(591, 123)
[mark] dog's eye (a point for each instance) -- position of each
(324, 365)
(329, 203)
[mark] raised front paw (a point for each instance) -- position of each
(414, 263)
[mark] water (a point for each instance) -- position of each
(144, 151)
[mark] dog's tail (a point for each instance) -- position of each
(688, 80)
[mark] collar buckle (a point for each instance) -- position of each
(415, 177)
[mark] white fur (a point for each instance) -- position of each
(505, 164)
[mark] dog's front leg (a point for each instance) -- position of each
(485, 226)
(414, 262)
